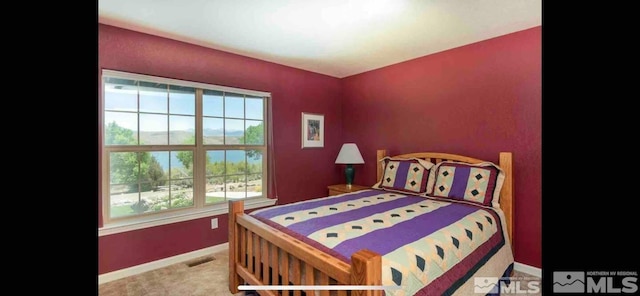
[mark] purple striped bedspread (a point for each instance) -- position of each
(428, 246)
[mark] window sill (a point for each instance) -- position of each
(223, 208)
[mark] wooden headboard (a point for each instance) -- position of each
(506, 164)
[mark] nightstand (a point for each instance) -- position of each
(342, 188)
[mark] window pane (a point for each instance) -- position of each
(181, 164)
(122, 198)
(254, 159)
(212, 103)
(233, 131)
(181, 194)
(236, 186)
(156, 168)
(233, 105)
(235, 182)
(254, 185)
(182, 100)
(133, 177)
(154, 183)
(152, 199)
(120, 95)
(215, 163)
(121, 83)
(254, 134)
(212, 131)
(182, 130)
(215, 190)
(254, 108)
(153, 129)
(120, 128)
(236, 163)
(153, 97)
(123, 168)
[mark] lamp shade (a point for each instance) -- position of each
(349, 154)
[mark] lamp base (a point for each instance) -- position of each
(349, 172)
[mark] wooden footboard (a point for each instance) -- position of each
(262, 255)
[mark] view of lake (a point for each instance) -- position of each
(214, 156)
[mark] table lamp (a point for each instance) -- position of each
(349, 155)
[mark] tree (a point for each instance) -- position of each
(156, 173)
(186, 157)
(126, 167)
(117, 135)
(254, 168)
(233, 168)
(215, 168)
(254, 135)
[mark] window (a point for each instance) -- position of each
(172, 146)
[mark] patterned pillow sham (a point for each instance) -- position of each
(405, 175)
(476, 183)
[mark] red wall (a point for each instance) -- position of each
(475, 100)
(301, 174)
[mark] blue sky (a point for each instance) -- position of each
(181, 106)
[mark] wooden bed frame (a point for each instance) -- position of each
(250, 238)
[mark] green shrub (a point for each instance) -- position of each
(140, 206)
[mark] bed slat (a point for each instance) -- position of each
(296, 276)
(324, 280)
(243, 246)
(274, 265)
(265, 261)
(308, 277)
(256, 265)
(284, 268)
(250, 251)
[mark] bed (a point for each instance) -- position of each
(410, 243)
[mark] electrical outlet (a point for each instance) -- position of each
(214, 223)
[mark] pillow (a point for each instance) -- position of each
(476, 183)
(405, 175)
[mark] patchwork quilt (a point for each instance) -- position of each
(428, 246)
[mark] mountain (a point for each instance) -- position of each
(215, 136)
(160, 138)
(208, 132)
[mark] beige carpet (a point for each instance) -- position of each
(209, 278)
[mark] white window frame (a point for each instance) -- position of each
(200, 210)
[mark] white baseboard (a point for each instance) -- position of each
(133, 270)
(535, 271)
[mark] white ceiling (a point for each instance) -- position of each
(333, 37)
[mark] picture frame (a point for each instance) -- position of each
(312, 130)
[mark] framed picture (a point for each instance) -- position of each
(312, 130)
